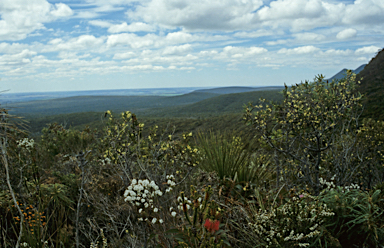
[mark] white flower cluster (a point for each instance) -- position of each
(141, 193)
(27, 143)
(180, 202)
(331, 185)
(171, 183)
(187, 202)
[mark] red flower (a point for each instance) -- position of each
(212, 225)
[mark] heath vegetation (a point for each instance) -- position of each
(304, 171)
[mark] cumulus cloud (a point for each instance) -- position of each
(61, 10)
(130, 39)
(299, 50)
(82, 42)
(20, 18)
(369, 12)
(367, 50)
(198, 14)
(19, 58)
(346, 34)
(125, 55)
(150, 39)
(173, 50)
(133, 27)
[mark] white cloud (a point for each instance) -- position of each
(148, 40)
(198, 14)
(61, 10)
(367, 50)
(333, 52)
(133, 27)
(131, 39)
(82, 42)
(20, 18)
(22, 57)
(292, 9)
(299, 50)
(346, 34)
(243, 51)
(12, 48)
(276, 42)
(369, 12)
(173, 50)
(309, 37)
(254, 34)
(125, 55)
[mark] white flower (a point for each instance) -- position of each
(154, 220)
(155, 210)
(140, 210)
(140, 219)
(143, 200)
(134, 181)
(161, 221)
(146, 205)
(173, 214)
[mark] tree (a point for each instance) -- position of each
(314, 129)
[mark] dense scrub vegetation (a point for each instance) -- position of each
(303, 172)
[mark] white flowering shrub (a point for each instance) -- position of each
(26, 143)
(295, 223)
(143, 194)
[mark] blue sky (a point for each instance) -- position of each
(119, 44)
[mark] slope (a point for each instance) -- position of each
(372, 87)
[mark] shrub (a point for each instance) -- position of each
(296, 223)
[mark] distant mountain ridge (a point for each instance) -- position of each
(341, 74)
(238, 89)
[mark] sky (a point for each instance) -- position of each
(71, 45)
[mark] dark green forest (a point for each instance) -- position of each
(298, 167)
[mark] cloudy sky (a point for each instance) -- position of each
(57, 45)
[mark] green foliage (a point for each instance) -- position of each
(316, 120)
(358, 219)
(201, 226)
(370, 139)
(228, 156)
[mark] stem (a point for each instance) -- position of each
(82, 164)
(5, 162)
